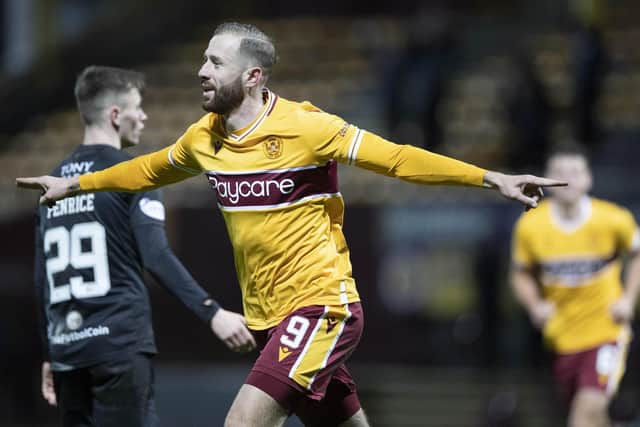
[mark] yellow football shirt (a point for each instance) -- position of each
(578, 266)
(276, 184)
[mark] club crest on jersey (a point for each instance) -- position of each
(273, 147)
(345, 128)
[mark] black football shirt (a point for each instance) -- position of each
(88, 268)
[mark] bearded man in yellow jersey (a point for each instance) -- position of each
(272, 166)
(566, 273)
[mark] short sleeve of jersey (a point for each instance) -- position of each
(181, 154)
(331, 136)
(626, 230)
(147, 208)
(521, 254)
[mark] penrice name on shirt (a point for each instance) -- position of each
(72, 205)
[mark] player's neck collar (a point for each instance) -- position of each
(569, 225)
(270, 99)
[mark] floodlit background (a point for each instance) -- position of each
(493, 82)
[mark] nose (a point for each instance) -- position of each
(202, 71)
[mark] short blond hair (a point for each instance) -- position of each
(254, 44)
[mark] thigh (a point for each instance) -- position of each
(359, 419)
(123, 393)
(589, 408)
(566, 369)
(340, 403)
(73, 393)
(254, 407)
(304, 351)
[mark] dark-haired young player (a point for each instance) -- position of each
(91, 250)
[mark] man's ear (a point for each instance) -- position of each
(254, 76)
(114, 116)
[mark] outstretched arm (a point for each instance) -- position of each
(139, 174)
(420, 166)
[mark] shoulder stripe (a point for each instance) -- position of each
(354, 146)
(177, 166)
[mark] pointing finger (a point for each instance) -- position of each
(30, 182)
(544, 182)
(555, 184)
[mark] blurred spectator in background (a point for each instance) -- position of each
(567, 262)
(528, 113)
(415, 83)
(589, 66)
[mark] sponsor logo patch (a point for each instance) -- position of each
(152, 208)
(266, 188)
(79, 335)
(235, 191)
(73, 320)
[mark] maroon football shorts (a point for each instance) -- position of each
(600, 367)
(301, 362)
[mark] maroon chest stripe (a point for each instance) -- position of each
(276, 188)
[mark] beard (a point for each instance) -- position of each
(226, 98)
